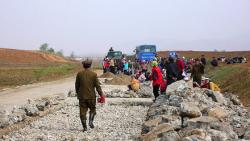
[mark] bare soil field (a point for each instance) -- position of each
(22, 67)
(13, 57)
(208, 54)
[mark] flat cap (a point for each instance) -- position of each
(87, 62)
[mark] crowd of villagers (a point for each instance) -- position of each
(160, 71)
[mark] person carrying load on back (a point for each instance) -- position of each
(197, 72)
(134, 84)
(157, 79)
(85, 85)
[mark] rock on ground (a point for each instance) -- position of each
(194, 114)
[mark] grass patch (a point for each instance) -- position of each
(234, 79)
(22, 76)
(53, 71)
(221, 73)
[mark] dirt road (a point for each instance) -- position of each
(18, 96)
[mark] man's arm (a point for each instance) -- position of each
(77, 84)
(98, 86)
(192, 72)
(202, 69)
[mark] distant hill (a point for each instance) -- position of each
(208, 54)
(14, 56)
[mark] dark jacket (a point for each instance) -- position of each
(172, 71)
(203, 61)
(86, 83)
(214, 63)
(197, 72)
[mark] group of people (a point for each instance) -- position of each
(116, 66)
(161, 71)
(165, 71)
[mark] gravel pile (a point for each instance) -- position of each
(113, 122)
(33, 108)
(194, 114)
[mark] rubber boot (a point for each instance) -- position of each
(84, 125)
(91, 120)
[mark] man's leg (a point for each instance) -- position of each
(92, 112)
(83, 113)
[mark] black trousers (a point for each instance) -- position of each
(86, 104)
(156, 90)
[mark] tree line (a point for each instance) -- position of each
(45, 48)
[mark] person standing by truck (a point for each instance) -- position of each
(112, 65)
(125, 68)
(85, 85)
(111, 49)
(106, 65)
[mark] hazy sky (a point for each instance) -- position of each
(92, 26)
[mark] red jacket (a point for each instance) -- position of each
(156, 76)
(180, 65)
(106, 64)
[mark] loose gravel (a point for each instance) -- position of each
(112, 122)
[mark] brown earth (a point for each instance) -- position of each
(120, 79)
(20, 58)
(22, 67)
(107, 75)
(208, 54)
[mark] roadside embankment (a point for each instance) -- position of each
(233, 79)
(10, 77)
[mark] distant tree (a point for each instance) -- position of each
(44, 47)
(51, 50)
(60, 53)
(72, 55)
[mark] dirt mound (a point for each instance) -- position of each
(107, 75)
(119, 79)
(124, 77)
(13, 56)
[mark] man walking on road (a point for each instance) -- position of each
(85, 85)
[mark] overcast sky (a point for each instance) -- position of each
(92, 26)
